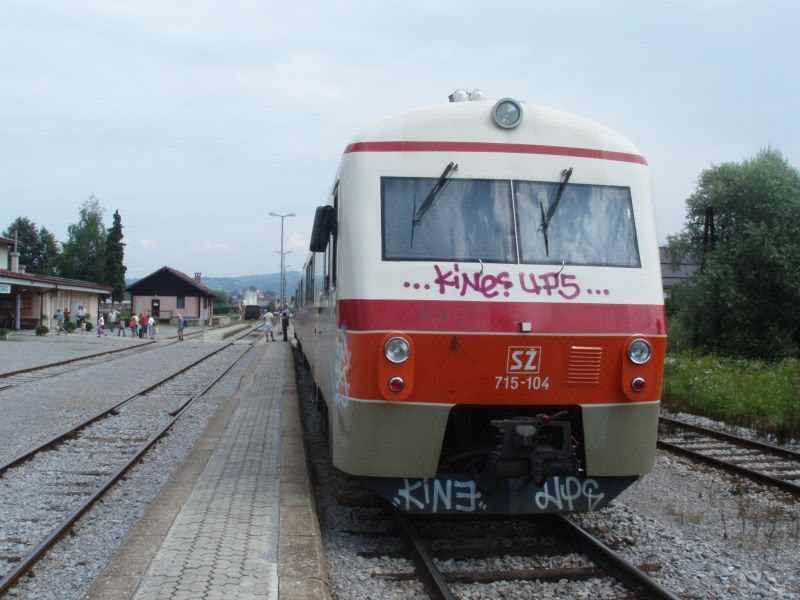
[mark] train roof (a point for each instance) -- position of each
(471, 121)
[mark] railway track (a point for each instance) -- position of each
(71, 472)
(565, 539)
(31, 374)
(759, 461)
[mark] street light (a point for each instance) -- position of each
(283, 283)
(283, 275)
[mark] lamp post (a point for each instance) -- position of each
(283, 290)
(283, 275)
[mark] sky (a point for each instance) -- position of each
(196, 119)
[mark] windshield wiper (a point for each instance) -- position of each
(547, 215)
(434, 193)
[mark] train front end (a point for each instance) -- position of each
(500, 327)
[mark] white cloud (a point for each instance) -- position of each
(147, 244)
(296, 241)
(211, 248)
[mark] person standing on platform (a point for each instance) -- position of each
(101, 326)
(143, 322)
(121, 328)
(112, 319)
(137, 326)
(181, 325)
(60, 321)
(285, 324)
(151, 327)
(269, 327)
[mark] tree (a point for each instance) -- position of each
(83, 254)
(38, 249)
(743, 229)
(115, 253)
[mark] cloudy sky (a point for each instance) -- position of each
(197, 118)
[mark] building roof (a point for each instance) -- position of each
(49, 280)
(204, 291)
(672, 273)
(7, 241)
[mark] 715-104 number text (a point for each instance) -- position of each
(521, 382)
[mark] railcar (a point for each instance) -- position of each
(482, 310)
(253, 311)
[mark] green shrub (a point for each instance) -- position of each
(70, 326)
(42, 330)
(89, 325)
(753, 393)
(4, 333)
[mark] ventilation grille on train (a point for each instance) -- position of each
(584, 364)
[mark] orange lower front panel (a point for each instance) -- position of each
(503, 369)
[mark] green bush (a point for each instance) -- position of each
(89, 326)
(42, 330)
(753, 393)
(70, 326)
(4, 333)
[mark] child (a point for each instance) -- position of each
(121, 328)
(83, 326)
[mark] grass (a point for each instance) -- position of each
(756, 394)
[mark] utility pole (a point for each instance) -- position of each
(282, 253)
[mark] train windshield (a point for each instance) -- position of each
(593, 225)
(471, 220)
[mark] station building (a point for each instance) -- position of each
(28, 300)
(166, 293)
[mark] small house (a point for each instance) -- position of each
(166, 293)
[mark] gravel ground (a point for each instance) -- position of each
(35, 412)
(71, 566)
(714, 535)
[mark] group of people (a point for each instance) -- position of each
(63, 316)
(271, 321)
(142, 326)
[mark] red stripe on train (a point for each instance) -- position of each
(494, 147)
(500, 317)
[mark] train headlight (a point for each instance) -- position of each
(507, 113)
(397, 349)
(639, 351)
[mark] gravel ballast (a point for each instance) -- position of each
(71, 566)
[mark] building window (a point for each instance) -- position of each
(181, 302)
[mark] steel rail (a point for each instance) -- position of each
(423, 557)
(732, 468)
(614, 565)
(735, 439)
(36, 553)
(138, 349)
(631, 576)
(27, 455)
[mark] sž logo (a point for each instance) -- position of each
(524, 359)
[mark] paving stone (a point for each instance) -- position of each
(223, 542)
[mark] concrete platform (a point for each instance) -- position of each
(237, 519)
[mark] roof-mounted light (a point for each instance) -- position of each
(460, 95)
(507, 113)
(477, 95)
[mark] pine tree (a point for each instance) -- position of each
(115, 253)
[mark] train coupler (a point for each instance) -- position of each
(535, 447)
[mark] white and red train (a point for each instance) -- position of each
(482, 310)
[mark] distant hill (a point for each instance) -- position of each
(270, 282)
